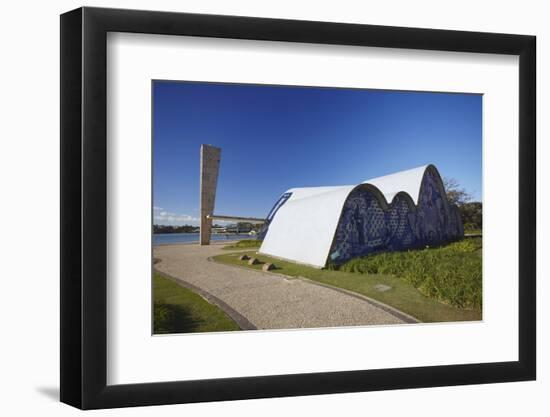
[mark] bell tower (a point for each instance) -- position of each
(210, 165)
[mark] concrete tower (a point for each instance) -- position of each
(210, 164)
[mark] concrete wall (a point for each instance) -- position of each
(210, 164)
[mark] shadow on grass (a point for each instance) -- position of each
(170, 318)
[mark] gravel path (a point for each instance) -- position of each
(266, 301)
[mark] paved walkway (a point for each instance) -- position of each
(266, 301)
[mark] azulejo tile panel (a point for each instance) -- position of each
(368, 224)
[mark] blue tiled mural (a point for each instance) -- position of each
(369, 224)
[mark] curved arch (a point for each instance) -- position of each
(405, 196)
(368, 225)
(431, 169)
(405, 210)
(382, 198)
(439, 221)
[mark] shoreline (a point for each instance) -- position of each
(212, 243)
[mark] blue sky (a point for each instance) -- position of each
(275, 137)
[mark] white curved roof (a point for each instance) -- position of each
(408, 181)
(303, 228)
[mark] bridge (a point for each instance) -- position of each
(253, 220)
(209, 169)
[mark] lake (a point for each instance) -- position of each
(173, 238)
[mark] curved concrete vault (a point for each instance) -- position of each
(405, 210)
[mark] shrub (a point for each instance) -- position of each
(451, 273)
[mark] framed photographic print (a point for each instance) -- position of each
(257, 208)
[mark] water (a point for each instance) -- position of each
(173, 238)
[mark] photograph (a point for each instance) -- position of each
(265, 205)
(301, 207)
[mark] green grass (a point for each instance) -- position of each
(245, 244)
(180, 310)
(402, 295)
(450, 273)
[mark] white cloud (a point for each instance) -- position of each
(173, 219)
(157, 208)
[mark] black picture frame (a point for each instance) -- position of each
(84, 207)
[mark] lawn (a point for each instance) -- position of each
(180, 310)
(403, 295)
(245, 244)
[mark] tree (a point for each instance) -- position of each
(244, 227)
(472, 215)
(455, 193)
(162, 228)
(471, 212)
